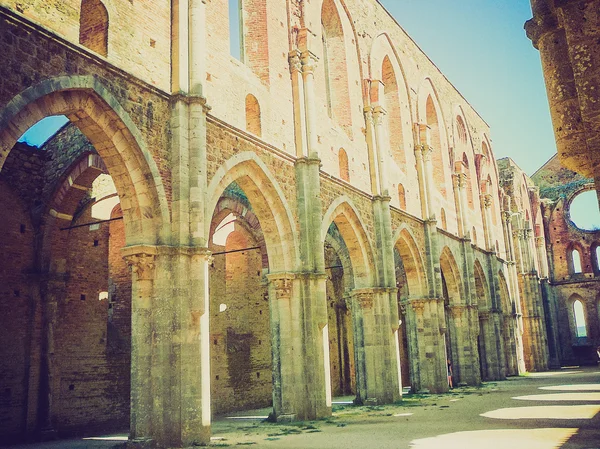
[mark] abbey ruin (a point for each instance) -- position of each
(302, 210)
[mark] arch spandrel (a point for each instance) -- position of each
(344, 214)
(268, 203)
(110, 129)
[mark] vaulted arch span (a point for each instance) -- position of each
(412, 261)
(344, 214)
(106, 124)
(268, 203)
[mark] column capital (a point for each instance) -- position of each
(506, 216)
(424, 151)
(282, 283)
(141, 264)
(460, 180)
(309, 62)
(308, 160)
(540, 241)
(295, 61)
(364, 297)
(487, 200)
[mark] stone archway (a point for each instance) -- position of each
(375, 348)
(456, 313)
(412, 285)
(270, 210)
(98, 115)
(122, 152)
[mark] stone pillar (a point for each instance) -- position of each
(426, 328)
(382, 149)
(423, 187)
(568, 42)
(300, 346)
(427, 155)
(170, 362)
(302, 372)
(540, 245)
(487, 201)
(460, 184)
(375, 347)
(370, 136)
(300, 122)
(142, 268)
(512, 316)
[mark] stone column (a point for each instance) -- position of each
(487, 202)
(568, 41)
(377, 375)
(370, 136)
(423, 187)
(308, 395)
(300, 122)
(142, 268)
(540, 245)
(382, 149)
(300, 346)
(460, 184)
(426, 328)
(513, 316)
(170, 367)
(427, 155)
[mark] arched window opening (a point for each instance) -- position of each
(443, 218)
(335, 64)
(402, 197)
(93, 26)
(465, 161)
(596, 261)
(236, 30)
(435, 142)
(461, 130)
(576, 260)
(253, 115)
(327, 74)
(486, 152)
(344, 169)
(579, 314)
(392, 105)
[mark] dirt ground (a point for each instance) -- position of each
(558, 409)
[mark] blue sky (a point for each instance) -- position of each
(481, 47)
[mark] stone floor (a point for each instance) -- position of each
(557, 409)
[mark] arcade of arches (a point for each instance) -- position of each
(210, 233)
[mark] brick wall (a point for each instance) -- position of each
(18, 307)
(142, 50)
(241, 334)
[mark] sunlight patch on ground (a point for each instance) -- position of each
(498, 439)
(580, 387)
(553, 373)
(109, 438)
(545, 412)
(561, 397)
